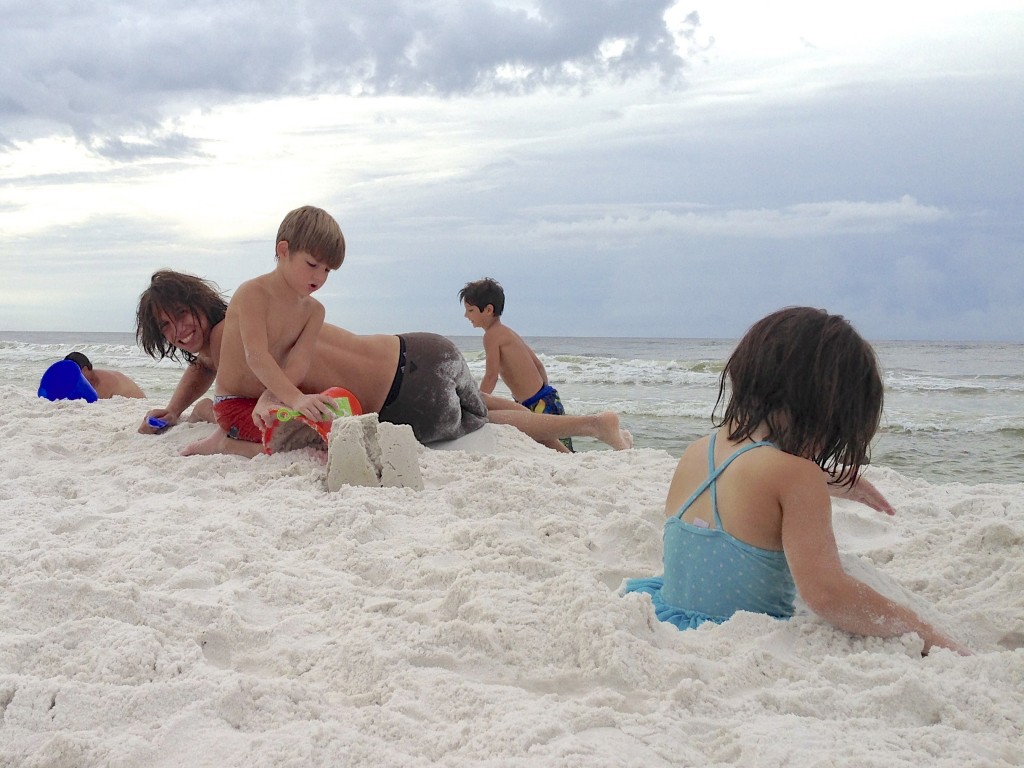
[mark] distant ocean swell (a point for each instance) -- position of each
(952, 413)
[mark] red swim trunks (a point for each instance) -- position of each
(234, 416)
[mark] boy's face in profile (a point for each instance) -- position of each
(300, 270)
(478, 317)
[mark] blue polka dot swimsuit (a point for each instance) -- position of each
(708, 574)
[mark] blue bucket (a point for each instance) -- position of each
(64, 381)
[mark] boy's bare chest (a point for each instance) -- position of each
(284, 323)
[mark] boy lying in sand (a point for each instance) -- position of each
(180, 314)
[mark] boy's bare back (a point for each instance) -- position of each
(516, 363)
(114, 384)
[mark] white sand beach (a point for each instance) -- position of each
(211, 611)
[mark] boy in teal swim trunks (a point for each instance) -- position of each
(508, 356)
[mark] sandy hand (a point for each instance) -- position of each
(866, 493)
(316, 407)
(263, 412)
(150, 424)
(863, 492)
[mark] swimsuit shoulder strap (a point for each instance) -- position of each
(713, 473)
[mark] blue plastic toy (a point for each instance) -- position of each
(64, 381)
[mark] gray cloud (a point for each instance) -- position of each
(891, 198)
(623, 223)
(157, 144)
(108, 69)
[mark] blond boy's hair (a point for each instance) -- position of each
(314, 231)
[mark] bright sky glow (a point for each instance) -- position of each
(864, 158)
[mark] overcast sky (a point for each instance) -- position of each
(623, 167)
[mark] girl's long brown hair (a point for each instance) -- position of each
(813, 381)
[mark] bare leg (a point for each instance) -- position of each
(545, 428)
(219, 442)
(202, 411)
(494, 403)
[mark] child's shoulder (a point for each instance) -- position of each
(505, 334)
(785, 474)
(498, 331)
(254, 285)
(769, 460)
(778, 463)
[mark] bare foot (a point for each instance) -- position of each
(219, 442)
(202, 411)
(608, 431)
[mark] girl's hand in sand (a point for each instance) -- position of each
(863, 492)
(169, 419)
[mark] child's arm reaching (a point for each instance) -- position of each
(863, 492)
(297, 363)
(253, 328)
(193, 385)
(813, 557)
(299, 358)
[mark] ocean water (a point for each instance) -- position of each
(954, 412)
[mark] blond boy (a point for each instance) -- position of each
(271, 328)
(507, 355)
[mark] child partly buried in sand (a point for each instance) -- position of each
(749, 520)
(270, 332)
(106, 383)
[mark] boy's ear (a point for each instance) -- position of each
(488, 310)
(282, 249)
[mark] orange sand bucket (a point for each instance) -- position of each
(289, 429)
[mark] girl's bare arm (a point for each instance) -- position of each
(863, 492)
(845, 602)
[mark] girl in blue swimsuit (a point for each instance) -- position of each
(749, 515)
